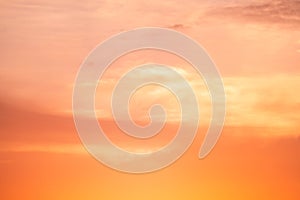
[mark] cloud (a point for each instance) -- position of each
(44, 148)
(263, 101)
(284, 12)
(177, 26)
(257, 101)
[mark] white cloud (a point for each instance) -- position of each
(47, 148)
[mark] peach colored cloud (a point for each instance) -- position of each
(282, 12)
(44, 43)
(251, 101)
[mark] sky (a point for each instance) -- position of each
(254, 44)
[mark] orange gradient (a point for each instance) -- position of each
(255, 45)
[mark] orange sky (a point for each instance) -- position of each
(256, 46)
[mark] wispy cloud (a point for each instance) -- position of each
(43, 39)
(44, 148)
(284, 12)
(258, 101)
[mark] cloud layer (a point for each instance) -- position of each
(283, 12)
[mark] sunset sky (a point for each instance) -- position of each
(254, 44)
